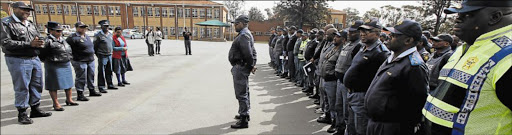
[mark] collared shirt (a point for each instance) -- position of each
(26, 22)
(375, 44)
(403, 54)
(439, 53)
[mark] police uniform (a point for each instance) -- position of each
(291, 57)
(473, 96)
(23, 63)
(278, 51)
(242, 57)
(298, 78)
(83, 62)
(392, 107)
(103, 49)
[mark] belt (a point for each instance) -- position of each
(24, 57)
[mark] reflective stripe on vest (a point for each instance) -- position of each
(475, 74)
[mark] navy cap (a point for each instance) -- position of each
(425, 41)
(472, 5)
(54, 26)
(305, 34)
(80, 24)
(356, 25)
(321, 32)
(104, 23)
(443, 37)
(313, 31)
(300, 31)
(21, 5)
(241, 18)
(371, 24)
(407, 27)
(342, 33)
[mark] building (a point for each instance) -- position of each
(170, 15)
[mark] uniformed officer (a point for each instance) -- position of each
(316, 81)
(439, 58)
(324, 104)
(347, 53)
(83, 61)
(103, 49)
(20, 42)
(271, 44)
(309, 51)
(473, 96)
(278, 51)
(395, 108)
(290, 45)
(242, 57)
(296, 47)
(301, 61)
(285, 53)
(364, 66)
(422, 45)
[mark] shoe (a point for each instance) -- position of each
(314, 96)
(242, 123)
(120, 84)
(303, 90)
(126, 83)
(103, 90)
(112, 88)
(92, 93)
(319, 111)
(316, 102)
(71, 103)
(340, 131)
(23, 117)
(326, 119)
(238, 117)
(36, 112)
(81, 97)
(332, 129)
(58, 109)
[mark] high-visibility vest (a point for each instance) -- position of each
(301, 49)
(478, 71)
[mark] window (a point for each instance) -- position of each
(194, 13)
(164, 12)
(173, 32)
(157, 12)
(202, 13)
(150, 11)
(171, 12)
(73, 9)
(96, 10)
(180, 31)
(89, 10)
(187, 12)
(45, 10)
(111, 10)
(217, 13)
(180, 12)
(194, 33)
(118, 11)
(202, 32)
(216, 32)
(59, 9)
(135, 11)
(209, 32)
(38, 9)
(66, 9)
(142, 11)
(82, 11)
(52, 9)
(209, 13)
(164, 31)
(103, 11)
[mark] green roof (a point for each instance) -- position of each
(213, 23)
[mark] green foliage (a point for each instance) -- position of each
(255, 14)
(300, 12)
(352, 15)
(3, 14)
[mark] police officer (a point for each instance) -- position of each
(422, 45)
(439, 58)
(364, 66)
(347, 53)
(309, 51)
(103, 49)
(20, 42)
(278, 51)
(296, 47)
(290, 45)
(394, 108)
(271, 43)
(474, 90)
(324, 104)
(83, 61)
(301, 61)
(242, 57)
(285, 53)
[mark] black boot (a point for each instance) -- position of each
(80, 96)
(242, 123)
(36, 112)
(326, 119)
(333, 127)
(23, 117)
(103, 90)
(238, 117)
(92, 92)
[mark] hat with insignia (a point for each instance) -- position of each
(373, 23)
(104, 23)
(407, 27)
(54, 26)
(300, 31)
(313, 31)
(241, 18)
(21, 5)
(356, 25)
(472, 5)
(80, 24)
(425, 42)
(342, 33)
(443, 37)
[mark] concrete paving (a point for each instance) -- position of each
(174, 93)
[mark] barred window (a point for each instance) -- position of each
(157, 12)
(171, 12)
(96, 10)
(150, 11)
(82, 10)
(118, 11)
(202, 13)
(180, 31)
(203, 30)
(217, 13)
(52, 9)
(111, 10)
(142, 11)
(45, 10)
(194, 13)
(66, 9)
(209, 13)
(194, 33)
(180, 12)
(73, 10)
(89, 10)
(38, 9)
(164, 12)
(215, 32)
(164, 31)
(187, 12)
(135, 11)
(173, 31)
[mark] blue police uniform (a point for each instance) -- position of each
(83, 60)
(103, 49)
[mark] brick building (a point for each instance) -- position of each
(170, 15)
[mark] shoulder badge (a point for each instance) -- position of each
(502, 41)
(415, 59)
(384, 48)
(470, 63)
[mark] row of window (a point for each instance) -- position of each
(84, 10)
(172, 31)
(170, 12)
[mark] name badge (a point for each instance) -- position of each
(366, 58)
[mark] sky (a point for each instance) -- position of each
(361, 6)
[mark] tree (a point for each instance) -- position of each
(255, 14)
(235, 8)
(352, 15)
(3, 14)
(301, 12)
(391, 15)
(371, 13)
(270, 14)
(436, 8)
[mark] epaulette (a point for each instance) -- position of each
(384, 48)
(247, 36)
(416, 59)
(6, 19)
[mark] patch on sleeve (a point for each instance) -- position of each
(502, 41)
(415, 59)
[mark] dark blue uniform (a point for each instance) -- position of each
(83, 60)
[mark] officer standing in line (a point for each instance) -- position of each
(20, 42)
(103, 49)
(324, 104)
(290, 45)
(300, 56)
(439, 58)
(316, 81)
(82, 49)
(271, 44)
(394, 108)
(242, 57)
(309, 51)
(278, 51)
(295, 51)
(344, 61)
(474, 92)
(364, 66)
(421, 48)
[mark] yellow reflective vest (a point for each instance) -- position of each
(301, 49)
(478, 71)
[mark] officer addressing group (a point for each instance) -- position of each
(20, 42)
(242, 57)
(103, 49)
